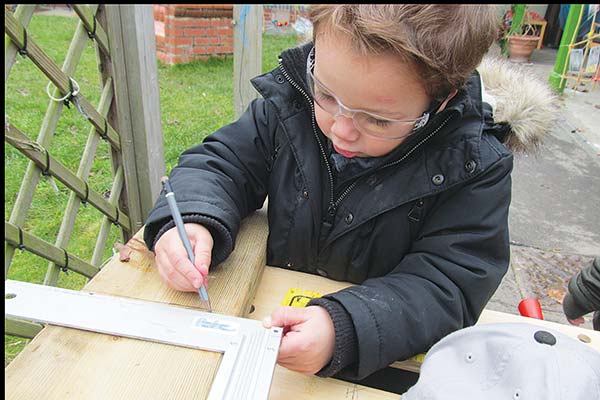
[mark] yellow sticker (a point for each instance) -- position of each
(418, 358)
(299, 297)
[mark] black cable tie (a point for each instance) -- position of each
(65, 268)
(87, 194)
(104, 135)
(92, 34)
(23, 50)
(21, 245)
(46, 171)
(116, 220)
(67, 100)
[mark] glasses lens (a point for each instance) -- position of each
(376, 126)
(366, 123)
(322, 96)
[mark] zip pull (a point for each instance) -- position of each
(327, 223)
(331, 210)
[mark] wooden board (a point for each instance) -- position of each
(62, 363)
(277, 281)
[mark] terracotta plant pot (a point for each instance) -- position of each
(520, 48)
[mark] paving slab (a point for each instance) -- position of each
(554, 217)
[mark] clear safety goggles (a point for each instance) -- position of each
(365, 122)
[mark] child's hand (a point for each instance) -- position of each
(173, 264)
(309, 337)
(576, 321)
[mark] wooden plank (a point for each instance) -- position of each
(289, 385)
(64, 363)
(93, 365)
(277, 281)
(87, 16)
(134, 66)
(247, 54)
(38, 155)
(16, 32)
(24, 329)
(85, 165)
(115, 193)
(48, 251)
(49, 123)
(23, 14)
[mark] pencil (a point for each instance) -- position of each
(170, 196)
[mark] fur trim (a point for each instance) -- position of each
(523, 101)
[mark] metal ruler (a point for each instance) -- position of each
(249, 350)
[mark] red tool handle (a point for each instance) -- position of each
(530, 307)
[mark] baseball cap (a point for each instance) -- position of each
(509, 361)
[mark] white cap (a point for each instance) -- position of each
(508, 361)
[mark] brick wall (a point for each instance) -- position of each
(188, 32)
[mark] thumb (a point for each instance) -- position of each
(286, 316)
(203, 244)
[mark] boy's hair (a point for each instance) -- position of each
(444, 42)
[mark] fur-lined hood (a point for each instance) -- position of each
(521, 99)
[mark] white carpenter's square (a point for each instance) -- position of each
(249, 350)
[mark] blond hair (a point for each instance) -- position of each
(444, 42)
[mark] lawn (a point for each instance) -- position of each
(195, 99)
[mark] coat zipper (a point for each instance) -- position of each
(334, 204)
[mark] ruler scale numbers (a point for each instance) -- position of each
(249, 350)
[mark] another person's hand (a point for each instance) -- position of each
(173, 264)
(576, 321)
(309, 337)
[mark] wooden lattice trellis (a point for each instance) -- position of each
(126, 118)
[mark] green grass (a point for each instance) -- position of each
(195, 100)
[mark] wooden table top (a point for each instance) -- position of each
(62, 363)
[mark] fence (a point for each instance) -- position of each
(127, 120)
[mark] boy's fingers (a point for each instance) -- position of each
(286, 316)
(202, 245)
(182, 265)
(289, 347)
(170, 275)
(202, 254)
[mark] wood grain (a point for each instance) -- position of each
(63, 363)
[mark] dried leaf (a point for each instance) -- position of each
(557, 294)
(124, 252)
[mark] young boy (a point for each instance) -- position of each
(383, 168)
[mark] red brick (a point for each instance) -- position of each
(203, 40)
(195, 32)
(199, 50)
(183, 41)
(172, 32)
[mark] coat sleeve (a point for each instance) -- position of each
(583, 295)
(220, 181)
(452, 270)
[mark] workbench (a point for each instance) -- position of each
(62, 363)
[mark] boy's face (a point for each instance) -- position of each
(381, 85)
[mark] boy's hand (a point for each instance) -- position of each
(309, 337)
(173, 264)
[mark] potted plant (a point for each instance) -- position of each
(518, 38)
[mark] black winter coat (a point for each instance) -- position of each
(424, 236)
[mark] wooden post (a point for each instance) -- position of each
(247, 54)
(134, 64)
